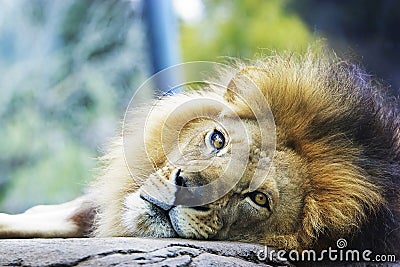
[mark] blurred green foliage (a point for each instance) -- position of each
(243, 29)
(68, 69)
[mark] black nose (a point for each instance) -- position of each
(183, 194)
(186, 195)
(180, 180)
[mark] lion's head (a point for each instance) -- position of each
(335, 153)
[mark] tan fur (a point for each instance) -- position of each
(335, 171)
(324, 194)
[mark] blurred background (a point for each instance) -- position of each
(68, 69)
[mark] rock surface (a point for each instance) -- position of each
(127, 252)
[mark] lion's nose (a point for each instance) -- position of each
(185, 195)
(180, 180)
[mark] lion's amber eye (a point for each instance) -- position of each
(217, 140)
(260, 199)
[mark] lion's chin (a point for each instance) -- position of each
(141, 218)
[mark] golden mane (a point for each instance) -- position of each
(342, 125)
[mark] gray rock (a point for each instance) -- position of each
(127, 252)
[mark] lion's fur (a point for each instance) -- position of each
(333, 122)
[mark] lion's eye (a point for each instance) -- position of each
(260, 199)
(217, 140)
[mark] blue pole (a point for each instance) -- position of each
(163, 39)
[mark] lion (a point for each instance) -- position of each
(334, 171)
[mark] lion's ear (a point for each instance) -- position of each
(244, 82)
(234, 88)
(230, 93)
(244, 88)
